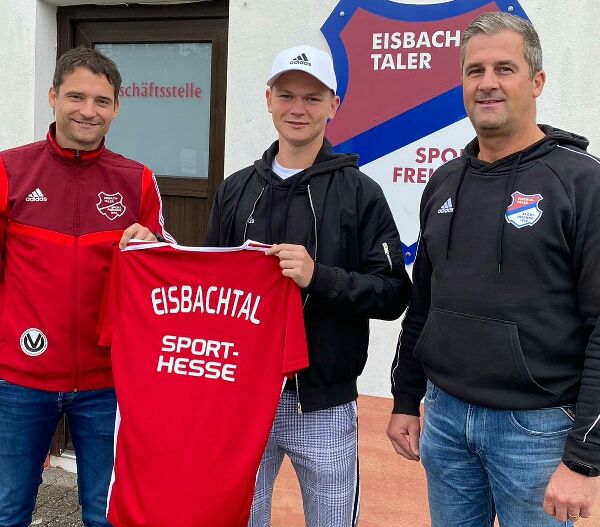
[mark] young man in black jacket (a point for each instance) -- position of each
(334, 235)
(507, 292)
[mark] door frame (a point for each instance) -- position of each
(83, 24)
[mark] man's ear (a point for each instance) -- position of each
(335, 104)
(269, 96)
(52, 96)
(539, 81)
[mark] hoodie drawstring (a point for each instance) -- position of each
(268, 230)
(510, 187)
(237, 204)
(456, 195)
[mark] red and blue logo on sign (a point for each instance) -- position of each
(398, 73)
(524, 211)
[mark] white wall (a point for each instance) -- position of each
(16, 114)
(44, 60)
(569, 34)
(258, 29)
(27, 55)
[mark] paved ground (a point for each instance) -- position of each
(57, 504)
(393, 489)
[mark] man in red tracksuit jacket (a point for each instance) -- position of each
(65, 203)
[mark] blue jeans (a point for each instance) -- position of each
(481, 462)
(28, 419)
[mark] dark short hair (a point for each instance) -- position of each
(497, 22)
(90, 59)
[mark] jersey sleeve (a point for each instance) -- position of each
(111, 301)
(295, 354)
(151, 214)
(3, 212)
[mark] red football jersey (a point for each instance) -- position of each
(201, 342)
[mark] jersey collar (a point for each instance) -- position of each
(70, 153)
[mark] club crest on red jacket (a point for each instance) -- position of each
(111, 205)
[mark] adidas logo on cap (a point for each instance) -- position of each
(319, 65)
(36, 195)
(446, 207)
(301, 59)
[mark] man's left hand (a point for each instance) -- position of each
(295, 262)
(570, 495)
(137, 231)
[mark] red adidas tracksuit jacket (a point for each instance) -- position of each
(61, 214)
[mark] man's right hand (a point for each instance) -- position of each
(404, 432)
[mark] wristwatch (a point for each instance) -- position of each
(582, 468)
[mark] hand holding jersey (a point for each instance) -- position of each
(295, 262)
(138, 232)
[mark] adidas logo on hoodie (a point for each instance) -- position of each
(446, 207)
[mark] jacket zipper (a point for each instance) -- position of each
(298, 404)
(76, 275)
(312, 207)
(386, 250)
(252, 213)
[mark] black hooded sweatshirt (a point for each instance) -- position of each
(507, 286)
(342, 218)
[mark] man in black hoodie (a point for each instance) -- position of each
(506, 294)
(334, 235)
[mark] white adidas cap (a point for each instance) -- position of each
(312, 60)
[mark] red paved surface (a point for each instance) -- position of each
(393, 489)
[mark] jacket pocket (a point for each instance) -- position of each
(479, 360)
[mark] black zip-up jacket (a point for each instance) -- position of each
(359, 269)
(507, 286)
